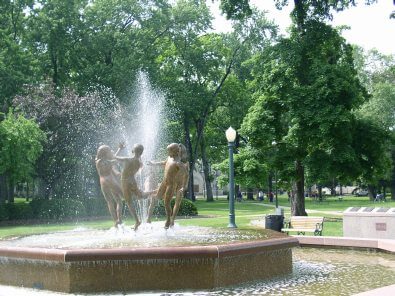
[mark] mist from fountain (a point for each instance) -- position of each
(144, 125)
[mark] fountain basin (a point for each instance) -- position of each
(146, 268)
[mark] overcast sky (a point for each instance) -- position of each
(370, 25)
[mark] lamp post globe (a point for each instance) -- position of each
(230, 135)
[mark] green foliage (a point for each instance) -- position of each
(236, 9)
(15, 211)
(307, 89)
(95, 207)
(187, 208)
(378, 73)
(54, 209)
(57, 209)
(21, 143)
(17, 65)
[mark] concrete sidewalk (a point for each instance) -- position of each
(386, 245)
(384, 291)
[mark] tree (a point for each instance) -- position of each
(195, 69)
(54, 30)
(307, 88)
(117, 39)
(238, 9)
(17, 65)
(21, 143)
(75, 126)
(378, 72)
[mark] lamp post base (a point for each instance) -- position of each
(232, 223)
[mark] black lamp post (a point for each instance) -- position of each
(278, 211)
(231, 137)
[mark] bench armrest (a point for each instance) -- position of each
(287, 224)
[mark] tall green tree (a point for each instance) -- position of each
(117, 39)
(307, 88)
(195, 68)
(54, 31)
(238, 9)
(378, 73)
(17, 64)
(75, 125)
(21, 143)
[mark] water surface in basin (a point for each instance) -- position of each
(315, 272)
(148, 235)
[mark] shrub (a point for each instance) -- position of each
(3, 212)
(58, 209)
(95, 207)
(187, 208)
(19, 211)
(15, 211)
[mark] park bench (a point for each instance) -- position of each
(303, 224)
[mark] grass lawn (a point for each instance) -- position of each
(216, 214)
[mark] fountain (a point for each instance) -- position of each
(151, 258)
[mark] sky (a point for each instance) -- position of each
(370, 25)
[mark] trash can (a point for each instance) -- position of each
(274, 222)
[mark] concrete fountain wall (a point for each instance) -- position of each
(146, 269)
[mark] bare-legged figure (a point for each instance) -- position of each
(150, 187)
(128, 181)
(110, 182)
(182, 178)
(173, 180)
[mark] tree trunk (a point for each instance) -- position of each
(319, 192)
(206, 171)
(3, 189)
(236, 191)
(333, 187)
(392, 182)
(27, 196)
(298, 204)
(11, 189)
(250, 194)
(270, 183)
(371, 192)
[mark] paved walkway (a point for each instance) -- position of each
(335, 213)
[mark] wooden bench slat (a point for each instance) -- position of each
(302, 224)
(298, 229)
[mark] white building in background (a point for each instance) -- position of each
(199, 186)
(344, 189)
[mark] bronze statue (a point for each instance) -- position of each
(110, 182)
(174, 181)
(182, 178)
(128, 181)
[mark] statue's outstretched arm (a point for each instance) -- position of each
(156, 163)
(121, 158)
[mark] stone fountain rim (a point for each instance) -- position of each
(144, 253)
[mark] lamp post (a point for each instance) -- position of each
(275, 179)
(231, 137)
(278, 211)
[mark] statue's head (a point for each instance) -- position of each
(138, 149)
(183, 153)
(104, 152)
(173, 149)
